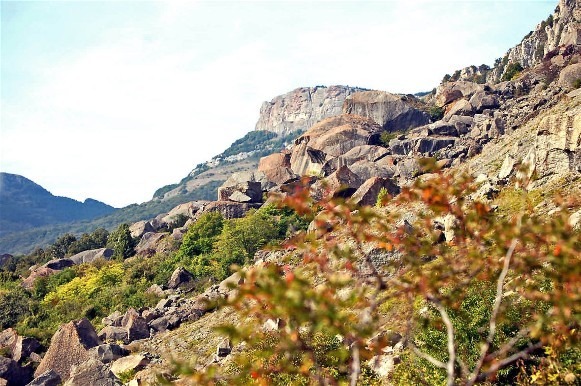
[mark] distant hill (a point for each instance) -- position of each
(25, 205)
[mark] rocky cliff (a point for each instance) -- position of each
(302, 108)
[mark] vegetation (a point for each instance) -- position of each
(436, 113)
(512, 71)
(497, 302)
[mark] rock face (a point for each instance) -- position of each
(562, 28)
(69, 346)
(92, 372)
(391, 112)
(179, 277)
(369, 190)
(302, 108)
(11, 372)
(91, 255)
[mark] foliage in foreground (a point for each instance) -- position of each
(497, 302)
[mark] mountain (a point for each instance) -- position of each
(26, 205)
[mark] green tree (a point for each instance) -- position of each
(201, 236)
(121, 242)
(61, 246)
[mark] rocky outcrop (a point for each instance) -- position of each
(69, 347)
(342, 183)
(48, 378)
(179, 277)
(13, 374)
(562, 28)
(247, 191)
(392, 112)
(369, 191)
(229, 209)
(92, 372)
(302, 108)
(91, 255)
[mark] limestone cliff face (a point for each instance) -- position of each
(302, 108)
(562, 28)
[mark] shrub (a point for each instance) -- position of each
(436, 113)
(512, 71)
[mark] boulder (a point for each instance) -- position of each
(113, 320)
(392, 112)
(136, 325)
(92, 372)
(401, 146)
(179, 277)
(451, 91)
(24, 347)
(69, 346)
(113, 334)
(140, 228)
(128, 363)
(224, 348)
(369, 153)
(569, 75)
(274, 161)
(149, 242)
(28, 283)
(430, 145)
(481, 101)
(59, 264)
(459, 107)
(342, 183)
(248, 176)
(187, 209)
(8, 339)
(443, 128)
(166, 322)
(13, 373)
(329, 138)
(48, 378)
(366, 169)
(90, 255)
(229, 209)
(109, 352)
(369, 190)
(242, 192)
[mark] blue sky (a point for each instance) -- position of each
(112, 100)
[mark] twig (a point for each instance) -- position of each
(451, 349)
(493, 317)
(524, 354)
(355, 365)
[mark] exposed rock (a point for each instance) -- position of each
(391, 112)
(224, 348)
(369, 190)
(366, 169)
(113, 320)
(90, 255)
(132, 362)
(330, 138)
(187, 209)
(569, 75)
(481, 101)
(443, 128)
(108, 352)
(229, 209)
(342, 183)
(242, 192)
(179, 277)
(136, 325)
(459, 107)
(59, 264)
(8, 339)
(92, 372)
(448, 92)
(430, 145)
(13, 373)
(574, 220)
(24, 347)
(48, 378)
(277, 168)
(302, 108)
(113, 334)
(506, 167)
(166, 322)
(140, 228)
(69, 346)
(149, 241)
(369, 153)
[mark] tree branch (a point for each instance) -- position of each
(451, 340)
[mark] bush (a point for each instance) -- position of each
(512, 71)
(436, 113)
(121, 242)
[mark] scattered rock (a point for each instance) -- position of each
(224, 348)
(132, 362)
(90, 255)
(369, 190)
(136, 325)
(92, 372)
(113, 320)
(13, 373)
(149, 241)
(243, 192)
(569, 75)
(140, 228)
(108, 352)
(113, 334)
(48, 378)
(229, 209)
(482, 101)
(342, 183)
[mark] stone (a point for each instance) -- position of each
(569, 75)
(366, 169)
(24, 347)
(28, 283)
(224, 348)
(401, 146)
(59, 264)
(459, 107)
(166, 322)
(274, 161)
(369, 190)
(431, 145)
(140, 228)
(408, 168)
(507, 167)
(13, 373)
(92, 372)
(113, 320)
(342, 183)
(248, 191)
(370, 153)
(136, 326)
(48, 378)
(574, 220)
(240, 178)
(156, 290)
(229, 209)
(443, 128)
(131, 362)
(481, 101)
(451, 91)
(330, 138)
(151, 314)
(69, 346)
(113, 334)
(179, 277)
(149, 242)
(185, 210)
(108, 352)
(392, 112)
(91, 255)
(8, 339)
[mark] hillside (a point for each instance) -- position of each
(396, 241)
(25, 205)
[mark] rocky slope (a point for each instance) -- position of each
(529, 125)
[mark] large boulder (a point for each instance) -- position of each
(248, 191)
(248, 176)
(113, 334)
(92, 372)
(179, 277)
(277, 168)
(91, 255)
(187, 209)
(59, 264)
(140, 228)
(482, 101)
(228, 209)
(366, 169)
(330, 138)
(129, 363)
(136, 325)
(342, 183)
(391, 112)
(13, 373)
(369, 190)
(48, 378)
(369, 153)
(107, 353)
(69, 346)
(569, 75)
(149, 242)
(28, 283)
(452, 91)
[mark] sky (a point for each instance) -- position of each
(112, 100)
